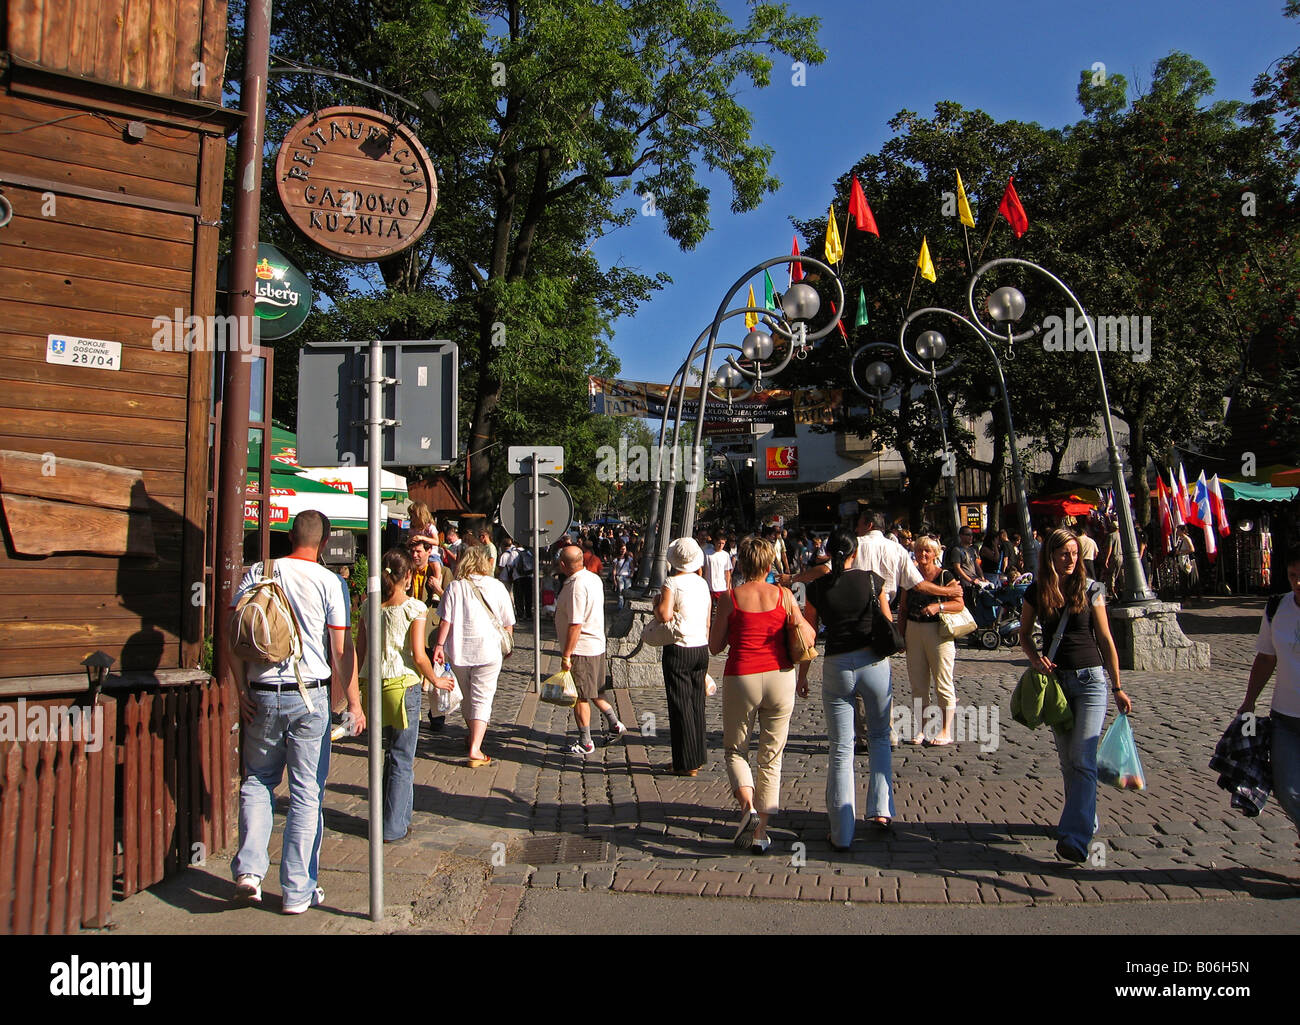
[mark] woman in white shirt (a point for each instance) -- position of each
(475, 612)
(685, 602)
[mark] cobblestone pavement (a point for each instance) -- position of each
(974, 821)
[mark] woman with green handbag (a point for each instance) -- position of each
(1082, 645)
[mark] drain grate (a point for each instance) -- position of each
(562, 850)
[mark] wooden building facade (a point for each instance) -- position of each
(112, 156)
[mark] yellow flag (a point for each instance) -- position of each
(925, 263)
(751, 318)
(834, 250)
(963, 205)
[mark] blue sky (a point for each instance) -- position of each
(1015, 59)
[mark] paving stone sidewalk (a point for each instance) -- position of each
(974, 821)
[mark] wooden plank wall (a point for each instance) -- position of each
(105, 270)
(143, 45)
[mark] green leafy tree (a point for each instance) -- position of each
(542, 116)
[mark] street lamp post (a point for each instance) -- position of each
(935, 346)
(799, 304)
(1007, 305)
(879, 374)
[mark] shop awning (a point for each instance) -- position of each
(1256, 492)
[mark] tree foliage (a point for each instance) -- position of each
(542, 116)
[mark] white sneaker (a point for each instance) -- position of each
(583, 749)
(317, 898)
(745, 829)
(249, 887)
(615, 732)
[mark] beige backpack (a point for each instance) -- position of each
(263, 629)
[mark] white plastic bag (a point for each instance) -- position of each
(710, 687)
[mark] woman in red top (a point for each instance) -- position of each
(759, 679)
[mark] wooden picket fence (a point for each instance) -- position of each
(178, 763)
(56, 826)
(158, 795)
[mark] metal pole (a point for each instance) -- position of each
(537, 579)
(374, 632)
(949, 479)
(1029, 547)
(237, 374)
(1136, 590)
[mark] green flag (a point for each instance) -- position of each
(861, 317)
(769, 292)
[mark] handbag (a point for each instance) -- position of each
(800, 646)
(659, 634)
(886, 638)
(506, 644)
(1051, 652)
(953, 625)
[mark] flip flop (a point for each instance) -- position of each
(478, 763)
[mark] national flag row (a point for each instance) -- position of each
(1204, 509)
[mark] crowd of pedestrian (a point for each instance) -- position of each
(447, 622)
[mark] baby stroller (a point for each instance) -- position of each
(996, 611)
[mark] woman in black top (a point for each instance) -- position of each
(848, 602)
(1085, 645)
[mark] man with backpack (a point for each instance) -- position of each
(296, 605)
(1278, 647)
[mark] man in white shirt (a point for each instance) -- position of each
(717, 569)
(1278, 647)
(580, 628)
(282, 730)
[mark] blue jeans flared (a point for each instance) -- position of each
(866, 675)
(1086, 691)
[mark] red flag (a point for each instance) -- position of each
(1011, 209)
(1166, 516)
(839, 323)
(861, 211)
(796, 268)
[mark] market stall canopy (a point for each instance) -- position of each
(1256, 492)
(292, 493)
(1286, 478)
(352, 480)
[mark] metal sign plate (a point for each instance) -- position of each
(550, 458)
(555, 510)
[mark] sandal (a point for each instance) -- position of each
(917, 741)
(478, 763)
(937, 743)
(881, 823)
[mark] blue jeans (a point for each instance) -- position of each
(283, 734)
(865, 674)
(399, 769)
(1086, 690)
(1286, 764)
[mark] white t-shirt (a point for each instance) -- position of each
(692, 603)
(716, 567)
(1281, 638)
(506, 564)
(319, 599)
(582, 600)
(888, 560)
(474, 639)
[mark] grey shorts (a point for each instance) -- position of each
(589, 675)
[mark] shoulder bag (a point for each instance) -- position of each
(506, 644)
(800, 637)
(953, 625)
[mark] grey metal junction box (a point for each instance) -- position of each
(333, 406)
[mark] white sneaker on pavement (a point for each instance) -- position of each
(317, 898)
(249, 887)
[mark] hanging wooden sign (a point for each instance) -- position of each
(357, 183)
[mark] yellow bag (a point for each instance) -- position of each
(560, 690)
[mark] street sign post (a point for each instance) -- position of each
(540, 505)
